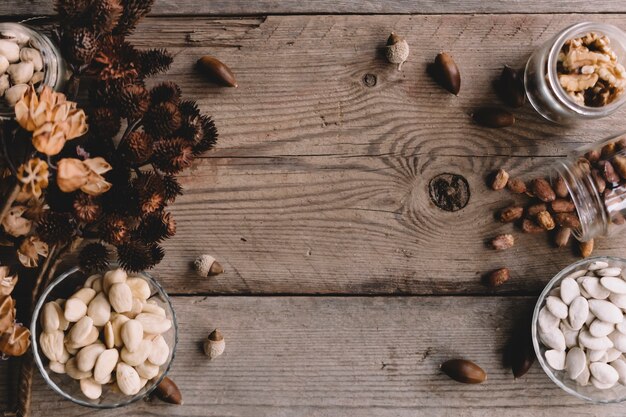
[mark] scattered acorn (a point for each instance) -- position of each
(510, 87)
(493, 117)
(214, 345)
(464, 371)
(207, 266)
(397, 50)
(217, 71)
(168, 392)
(446, 73)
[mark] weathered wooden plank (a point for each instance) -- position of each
(262, 7)
(319, 183)
(296, 356)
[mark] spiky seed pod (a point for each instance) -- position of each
(154, 61)
(209, 137)
(104, 15)
(134, 10)
(156, 227)
(55, 228)
(137, 148)
(115, 230)
(189, 109)
(94, 257)
(162, 119)
(116, 60)
(151, 192)
(133, 101)
(166, 91)
(172, 155)
(79, 46)
(86, 208)
(171, 188)
(104, 121)
(157, 253)
(68, 10)
(135, 256)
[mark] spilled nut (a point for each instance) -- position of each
(214, 345)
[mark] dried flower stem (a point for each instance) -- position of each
(132, 126)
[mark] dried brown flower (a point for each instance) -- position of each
(105, 15)
(135, 256)
(134, 10)
(34, 177)
(55, 228)
(94, 257)
(133, 101)
(165, 92)
(69, 10)
(162, 119)
(104, 121)
(172, 155)
(30, 250)
(116, 60)
(15, 224)
(86, 208)
(7, 313)
(115, 230)
(79, 45)
(156, 227)
(209, 136)
(15, 342)
(137, 147)
(7, 281)
(154, 61)
(74, 174)
(150, 191)
(171, 188)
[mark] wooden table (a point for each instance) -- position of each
(345, 286)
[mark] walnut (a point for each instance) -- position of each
(581, 57)
(577, 82)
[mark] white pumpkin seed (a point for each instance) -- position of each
(571, 335)
(594, 266)
(553, 339)
(557, 307)
(583, 378)
(595, 289)
(620, 366)
(595, 343)
(606, 311)
(575, 362)
(612, 354)
(614, 284)
(597, 356)
(619, 340)
(578, 312)
(608, 272)
(619, 300)
(601, 328)
(569, 290)
(621, 327)
(556, 359)
(599, 384)
(603, 372)
(547, 320)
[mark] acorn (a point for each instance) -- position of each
(397, 50)
(214, 344)
(168, 392)
(494, 117)
(207, 266)
(446, 73)
(464, 371)
(217, 71)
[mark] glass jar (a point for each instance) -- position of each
(595, 177)
(541, 80)
(56, 73)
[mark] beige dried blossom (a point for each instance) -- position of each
(52, 119)
(15, 224)
(74, 174)
(34, 176)
(30, 250)
(7, 282)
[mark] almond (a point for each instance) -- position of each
(545, 220)
(567, 220)
(90, 388)
(139, 287)
(115, 276)
(153, 308)
(147, 370)
(499, 179)
(51, 344)
(517, 186)
(535, 209)
(593, 155)
(73, 372)
(105, 364)
(139, 356)
(132, 335)
(50, 317)
(75, 309)
(120, 297)
(619, 163)
(510, 214)
(498, 277)
(598, 180)
(586, 248)
(85, 295)
(87, 356)
(99, 310)
(109, 335)
(80, 331)
(153, 323)
(529, 226)
(561, 239)
(562, 206)
(159, 352)
(502, 242)
(127, 379)
(560, 189)
(608, 172)
(542, 190)
(116, 324)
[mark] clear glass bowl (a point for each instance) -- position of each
(65, 285)
(589, 393)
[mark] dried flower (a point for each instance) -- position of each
(55, 228)
(52, 119)
(135, 256)
(171, 188)
(7, 313)
(86, 208)
(116, 60)
(209, 136)
(79, 45)
(133, 101)
(68, 10)
(16, 342)
(137, 147)
(104, 121)
(34, 176)
(173, 155)
(15, 224)
(105, 15)
(134, 10)
(94, 257)
(150, 191)
(166, 91)
(7, 282)
(74, 174)
(115, 230)
(162, 119)
(156, 227)
(30, 250)
(154, 61)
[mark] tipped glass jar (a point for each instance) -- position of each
(578, 74)
(27, 57)
(595, 177)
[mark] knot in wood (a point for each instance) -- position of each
(370, 80)
(449, 192)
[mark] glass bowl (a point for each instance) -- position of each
(65, 285)
(589, 393)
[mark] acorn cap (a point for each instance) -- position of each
(394, 38)
(215, 336)
(207, 266)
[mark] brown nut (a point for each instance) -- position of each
(542, 190)
(560, 189)
(499, 179)
(168, 392)
(593, 155)
(561, 239)
(567, 220)
(464, 371)
(502, 242)
(511, 87)
(535, 209)
(498, 277)
(510, 214)
(545, 220)
(598, 180)
(446, 73)
(619, 163)
(517, 186)
(562, 206)
(607, 150)
(529, 226)
(522, 358)
(608, 172)
(620, 144)
(586, 248)
(217, 71)
(493, 117)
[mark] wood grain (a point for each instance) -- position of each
(319, 182)
(263, 7)
(297, 356)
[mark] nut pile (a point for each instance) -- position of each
(21, 65)
(589, 71)
(582, 326)
(108, 332)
